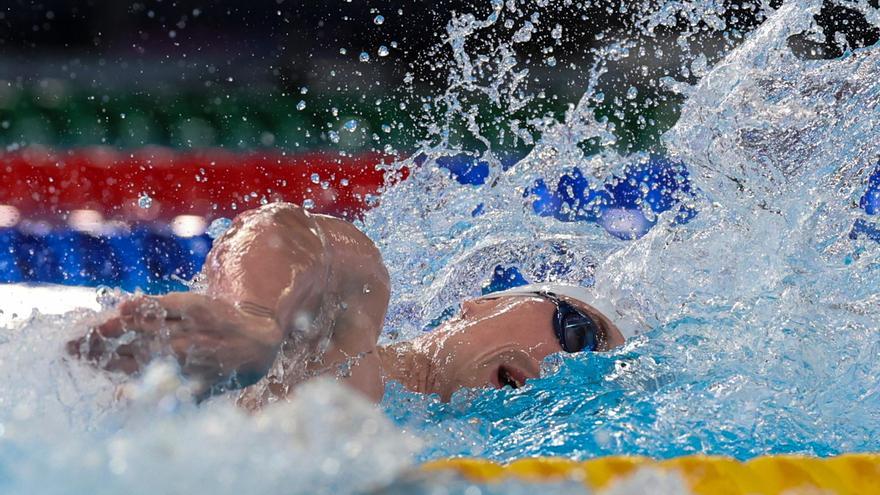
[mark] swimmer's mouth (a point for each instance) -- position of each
(506, 378)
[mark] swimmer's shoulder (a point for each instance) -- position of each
(291, 218)
(282, 215)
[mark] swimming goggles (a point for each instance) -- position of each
(575, 330)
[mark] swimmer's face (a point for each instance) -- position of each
(502, 341)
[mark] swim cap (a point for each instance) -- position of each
(629, 322)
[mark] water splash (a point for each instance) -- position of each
(68, 432)
(763, 308)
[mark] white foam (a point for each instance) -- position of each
(19, 300)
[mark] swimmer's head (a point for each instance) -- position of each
(501, 339)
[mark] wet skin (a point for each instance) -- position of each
(291, 295)
(492, 342)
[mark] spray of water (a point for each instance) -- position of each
(761, 311)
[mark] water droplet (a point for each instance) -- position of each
(106, 296)
(145, 201)
(334, 136)
(383, 51)
(365, 57)
(218, 227)
(379, 20)
(315, 178)
(557, 32)
(551, 62)
(386, 128)
(308, 204)
(631, 93)
(344, 182)
(699, 64)
(350, 125)
(301, 105)
(524, 33)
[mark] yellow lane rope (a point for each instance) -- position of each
(850, 474)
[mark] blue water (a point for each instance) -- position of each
(757, 282)
(651, 399)
(755, 273)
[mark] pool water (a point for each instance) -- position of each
(760, 298)
(762, 307)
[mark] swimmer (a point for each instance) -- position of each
(289, 295)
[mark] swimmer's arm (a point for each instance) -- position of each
(318, 276)
(230, 336)
(362, 286)
(267, 253)
(312, 273)
(278, 275)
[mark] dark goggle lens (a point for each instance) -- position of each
(578, 332)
